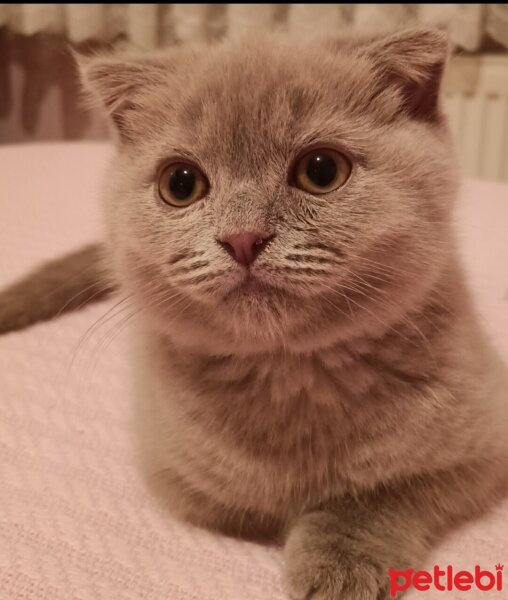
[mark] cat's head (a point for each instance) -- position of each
(269, 194)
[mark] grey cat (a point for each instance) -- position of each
(312, 370)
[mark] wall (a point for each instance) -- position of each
(40, 100)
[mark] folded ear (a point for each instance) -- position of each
(414, 62)
(118, 82)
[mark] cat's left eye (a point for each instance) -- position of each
(180, 184)
(320, 171)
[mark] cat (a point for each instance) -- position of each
(310, 370)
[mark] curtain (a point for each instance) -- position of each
(153, 25)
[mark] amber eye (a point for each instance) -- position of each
(321, 171)
(181, 184)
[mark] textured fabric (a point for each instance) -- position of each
(151, 25)
(76, 521)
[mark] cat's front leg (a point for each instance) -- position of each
(344, 549)
(334, 556)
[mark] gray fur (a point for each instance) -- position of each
(347, 404)
(59, 286)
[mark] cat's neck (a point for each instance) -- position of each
(406, 349)
(431, 313)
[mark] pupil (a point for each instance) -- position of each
(321, 170)
(182, 183)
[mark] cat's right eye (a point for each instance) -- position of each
(181, 184)
(321, 170)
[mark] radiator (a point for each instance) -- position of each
(476, 101)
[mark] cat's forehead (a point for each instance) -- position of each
(247, 106)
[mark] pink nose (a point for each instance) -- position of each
(244, 246)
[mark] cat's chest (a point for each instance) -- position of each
(259, 433)
(271, 432)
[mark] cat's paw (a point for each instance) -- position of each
(323, 564)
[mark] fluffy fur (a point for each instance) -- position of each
(59, 286)
(340, 396)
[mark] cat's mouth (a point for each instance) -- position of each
(252, 286)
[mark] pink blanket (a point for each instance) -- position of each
(76, 521)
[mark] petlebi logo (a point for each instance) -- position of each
(447, 580)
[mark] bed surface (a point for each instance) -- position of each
(76, 521)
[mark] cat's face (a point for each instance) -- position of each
(334, 156)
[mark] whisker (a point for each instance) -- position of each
(113, 332)
(200, 278)
(89, 331)
(183, 255)
(304, 258)
(192, 267)
(320, 246)
(372, 314)
(87, 299)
